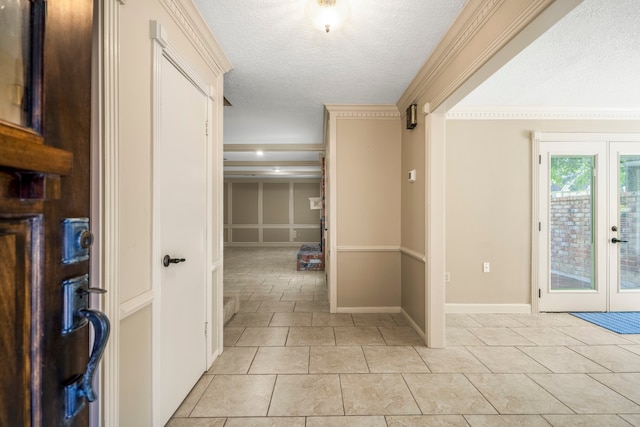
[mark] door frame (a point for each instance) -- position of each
(213, 287)
(578, 137)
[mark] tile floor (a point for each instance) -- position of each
(288, 362)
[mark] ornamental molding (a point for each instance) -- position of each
(366, 115)
(438, 61)
(389, 112)
(540, 113)
(184, 12)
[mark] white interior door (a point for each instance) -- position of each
(182, 228)
(589, 223)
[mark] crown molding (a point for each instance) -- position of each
(471, 17)
(541, 113)
(190, 20)
(479, 34)
(272, 147)
(271, 174)
(354, 111)
(272, 163)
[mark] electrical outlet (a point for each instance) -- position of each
(486, 267)
(447, 277)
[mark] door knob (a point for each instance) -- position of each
(614, 240)
(168, 260)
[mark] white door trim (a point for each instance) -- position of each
(105, 129)
(162, 49)
(435, 227)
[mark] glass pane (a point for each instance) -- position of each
(571, 223)
(629, 208)
(14, 54)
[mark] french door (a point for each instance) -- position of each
(588, 222)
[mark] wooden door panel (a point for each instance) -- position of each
(20, 243)
(44, 178)
(14, 371)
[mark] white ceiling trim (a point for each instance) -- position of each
(272, 147)
(283, 163)
(350, 111)
(199, 33)
(540, 113)
(271, 174)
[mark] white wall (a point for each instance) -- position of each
(187, 33)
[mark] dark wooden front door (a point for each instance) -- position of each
(44, 179)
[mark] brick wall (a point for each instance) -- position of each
(570, 236)
(570, 217)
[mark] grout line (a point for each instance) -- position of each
(273, 389)
(364, 356)
(411, 392)
(465, 375)
(344, 411)
(590, 375)
(253, 359)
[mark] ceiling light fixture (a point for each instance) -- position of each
(259, 153)
(328, 15)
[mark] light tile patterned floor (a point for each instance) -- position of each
(289, 362)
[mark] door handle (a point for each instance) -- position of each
(81, 386)
(615, 240)
(76, 314)
(168, 260)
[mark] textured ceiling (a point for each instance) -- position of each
(589, 60)
(285, 70)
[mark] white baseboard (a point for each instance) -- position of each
(415, 326)
(360, 310)
(489, 308)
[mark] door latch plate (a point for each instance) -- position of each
(76, 297)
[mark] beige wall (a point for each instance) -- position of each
(489, 182)
(135, 192)
(368, 173)
(368, 210)
(484, 36)
(271, 212)
(135, 352)
(413, 223)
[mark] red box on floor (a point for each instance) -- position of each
(310, 258)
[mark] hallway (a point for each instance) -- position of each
(289, 362)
